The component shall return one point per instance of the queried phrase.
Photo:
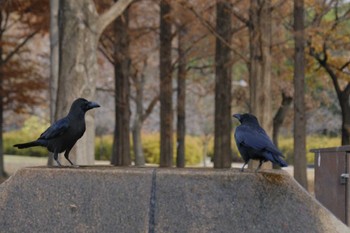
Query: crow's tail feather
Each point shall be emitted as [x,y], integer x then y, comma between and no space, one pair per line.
[276,159]
[28,144]
[281,162]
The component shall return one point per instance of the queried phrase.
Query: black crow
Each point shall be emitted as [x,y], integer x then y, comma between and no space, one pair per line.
[253,142]
[64,133]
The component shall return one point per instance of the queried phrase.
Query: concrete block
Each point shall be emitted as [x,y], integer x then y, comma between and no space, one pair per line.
[114,199]
[96,199]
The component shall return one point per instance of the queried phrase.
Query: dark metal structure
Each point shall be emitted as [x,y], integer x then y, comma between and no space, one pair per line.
[332,180]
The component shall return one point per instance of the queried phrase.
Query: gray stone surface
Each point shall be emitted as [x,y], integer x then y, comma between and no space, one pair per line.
[111,199]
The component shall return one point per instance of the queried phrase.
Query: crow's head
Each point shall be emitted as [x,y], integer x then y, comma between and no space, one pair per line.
[245,118]
[84,105]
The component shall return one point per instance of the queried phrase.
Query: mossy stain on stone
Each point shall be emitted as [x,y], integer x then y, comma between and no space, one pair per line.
[273,178]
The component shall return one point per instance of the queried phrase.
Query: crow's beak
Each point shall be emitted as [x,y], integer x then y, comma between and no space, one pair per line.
[92,105]
[237,116]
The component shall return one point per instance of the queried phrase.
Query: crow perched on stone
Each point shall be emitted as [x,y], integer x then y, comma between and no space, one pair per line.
[253,142]
[64,133]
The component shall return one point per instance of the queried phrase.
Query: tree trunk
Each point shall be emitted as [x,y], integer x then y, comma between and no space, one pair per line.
[299,104]
[2,168]
[54,62]
[79,33]
[137,143]
[343,96]
[121,145]
[78,69]
[136,129]
[223,65]
[166,103]
[280,116]
[140,115]
[278,120]
[260,62]
[54,56]
[260,66]
[181,99]
[345,126]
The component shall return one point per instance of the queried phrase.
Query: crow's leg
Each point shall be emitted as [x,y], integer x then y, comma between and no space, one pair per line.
[55,157]
[66,155]
[260,163]
[245,163]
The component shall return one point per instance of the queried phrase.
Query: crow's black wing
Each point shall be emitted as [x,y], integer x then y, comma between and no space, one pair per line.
[56,129]
[256,138]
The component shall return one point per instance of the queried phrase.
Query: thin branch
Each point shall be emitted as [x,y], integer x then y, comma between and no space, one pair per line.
[347,89]
[143,31]
[240,17]
[213,31]
[19,46]
[344,66]
[104,50]
[188,49]
[107,56]
[112,13]
[325,65]
[201,68]
[325,55]
[278,5]
[316,21]
[150,107]
[105,89]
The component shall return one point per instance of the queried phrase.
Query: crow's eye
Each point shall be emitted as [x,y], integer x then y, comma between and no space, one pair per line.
[84,105]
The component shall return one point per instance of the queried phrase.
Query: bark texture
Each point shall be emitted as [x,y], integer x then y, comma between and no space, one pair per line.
[260,65]
[299,103]
[260,62]
[223,65]
[181,99]
[79,32]
[166,87]
[121,144]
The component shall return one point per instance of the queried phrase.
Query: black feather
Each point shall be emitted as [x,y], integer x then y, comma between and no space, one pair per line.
[62,135]
[253,142]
